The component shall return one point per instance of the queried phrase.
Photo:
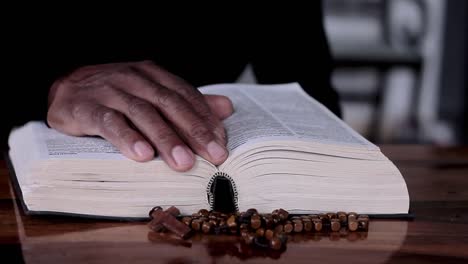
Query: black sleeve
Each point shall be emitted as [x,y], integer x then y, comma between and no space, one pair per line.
[293,48]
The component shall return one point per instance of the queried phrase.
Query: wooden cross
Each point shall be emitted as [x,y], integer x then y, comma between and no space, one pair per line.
[168,219]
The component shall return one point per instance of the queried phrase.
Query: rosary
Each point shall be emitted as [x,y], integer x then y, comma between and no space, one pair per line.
[262,230]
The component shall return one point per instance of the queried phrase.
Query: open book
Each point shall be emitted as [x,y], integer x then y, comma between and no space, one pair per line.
[286,150]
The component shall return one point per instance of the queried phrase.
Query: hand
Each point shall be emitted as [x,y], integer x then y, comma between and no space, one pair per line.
[138,106]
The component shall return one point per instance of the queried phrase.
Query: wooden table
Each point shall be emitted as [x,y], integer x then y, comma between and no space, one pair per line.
[437,179]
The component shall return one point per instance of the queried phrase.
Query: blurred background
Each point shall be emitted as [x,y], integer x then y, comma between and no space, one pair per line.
[401,68]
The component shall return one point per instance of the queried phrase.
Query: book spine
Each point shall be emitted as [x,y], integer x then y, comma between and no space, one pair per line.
[210,189]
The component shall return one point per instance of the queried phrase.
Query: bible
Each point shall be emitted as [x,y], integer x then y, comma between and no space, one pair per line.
[286,150]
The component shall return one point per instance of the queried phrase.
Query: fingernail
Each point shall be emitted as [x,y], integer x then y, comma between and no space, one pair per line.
[143,149]
[181,156]
[216,151]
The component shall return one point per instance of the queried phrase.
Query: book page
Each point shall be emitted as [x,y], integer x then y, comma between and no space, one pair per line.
[266,111]
[53,144]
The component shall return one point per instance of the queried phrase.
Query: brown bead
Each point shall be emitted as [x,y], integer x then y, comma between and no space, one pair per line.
[213,222]
[187,220]
[275,243]
[196,224]
[307,225]
[269,234]
[313,216]
[203,212]
[276,219]
[342,217]
[317,225]
[363,224]
[243,226]
[323,217]
[283,214]
[279,228]
[295,218]
[335,225]
[260,232]
[249,238]
[282,236]
[331,215]
[206,227]
[352,216]
[303,217]
[352,225]
[231,222]
[268,219]
[288,227]
[255,222]
[298,226]
[244,233]
[363,216]
[252,211]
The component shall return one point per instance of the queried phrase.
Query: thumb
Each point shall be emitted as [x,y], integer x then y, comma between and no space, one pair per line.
[220,105]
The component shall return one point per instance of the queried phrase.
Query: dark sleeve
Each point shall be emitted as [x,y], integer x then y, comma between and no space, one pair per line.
[293,48]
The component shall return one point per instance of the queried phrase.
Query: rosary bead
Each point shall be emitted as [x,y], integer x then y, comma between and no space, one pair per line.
[187,220]
[342,217]
[275,243]
[307,225]
[335,225]
[196,224]
[279,228]
[352,216]
[363,223]
[352,225]
[252,211]
[255,222]
[203,212]
[283,214]
[317,225]
[260,232]
[206,227]
[269,234]
[231,222]
[288,227]
[331,215]
[298,226]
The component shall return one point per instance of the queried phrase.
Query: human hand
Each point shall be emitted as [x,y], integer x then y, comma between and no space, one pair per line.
[139,106]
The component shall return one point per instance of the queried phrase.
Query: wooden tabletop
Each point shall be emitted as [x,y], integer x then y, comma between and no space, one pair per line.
[437,180]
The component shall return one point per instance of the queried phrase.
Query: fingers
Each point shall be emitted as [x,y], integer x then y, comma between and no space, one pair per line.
[188,92]
[220,105]
[93,119]
[148,121]
[187,123]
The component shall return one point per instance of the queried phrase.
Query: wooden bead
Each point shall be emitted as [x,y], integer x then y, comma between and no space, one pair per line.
[231,222]
[255,222]
[288,227]
[243,226]
[279,228]
[261,242]
[249,238]
[268,219]
[206,227]
[187,220]
[298,226]
[275,243]
[331,215]
[317,225]
[203,212]
[363,224]
[307,225]
[260,232]
[283,214]
[352,225]
[252,211]
[196,224]
[213,222]
[295,218]
[342,217]
[335,224]
[313,216]
[269,234]
[352,216]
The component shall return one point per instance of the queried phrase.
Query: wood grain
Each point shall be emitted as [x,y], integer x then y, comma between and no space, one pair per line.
[437,180]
